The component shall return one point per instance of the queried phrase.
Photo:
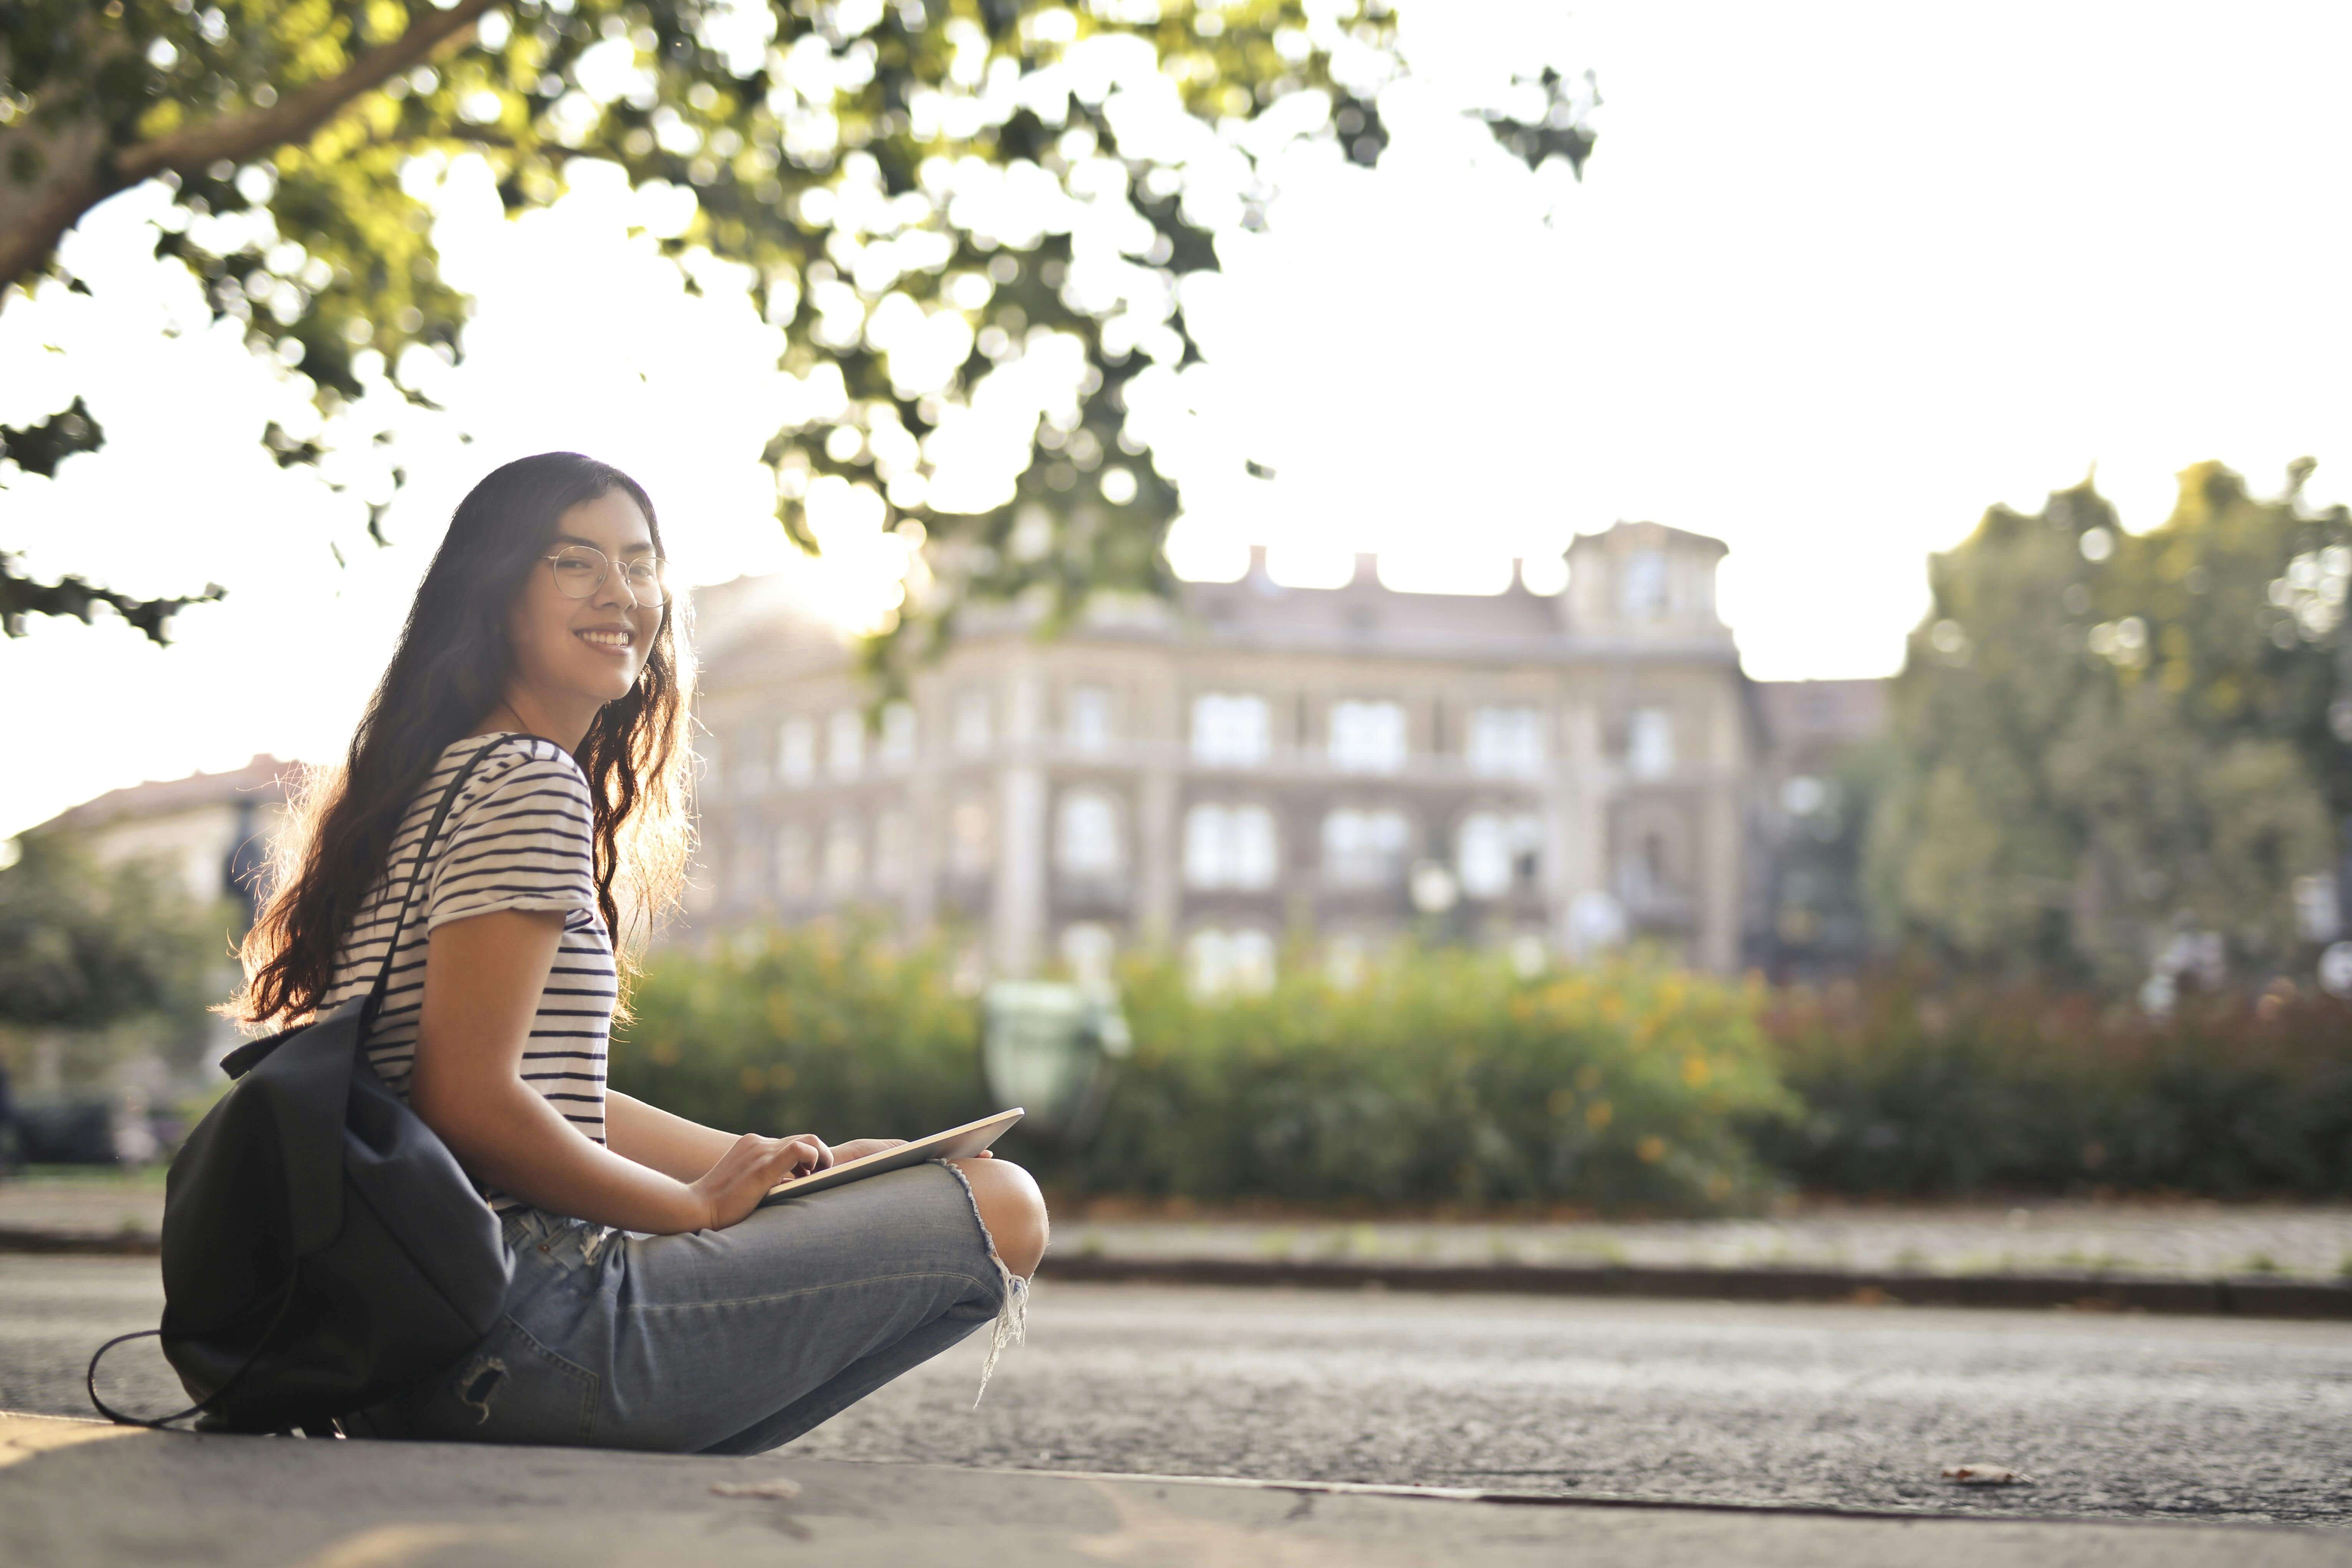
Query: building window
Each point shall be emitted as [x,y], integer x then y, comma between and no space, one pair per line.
[796,752]
[1654,854]
[897,750]
[1230,730]
[751,766]
[845,744]
[1087,949]
[1086,842]
[970,843]
[1229,847]
[1085,721]
[1650,743]
[1365,848]
[1224,964]
[1498,852]
[893,851]
[1641,585]
[744,881]
[1368,737]
[793,865]
[844,864]
[1507,742]
[972,726]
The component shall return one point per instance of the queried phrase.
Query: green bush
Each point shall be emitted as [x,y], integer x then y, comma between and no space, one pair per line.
[825,1028]
[1444,1078]
[1917,1086]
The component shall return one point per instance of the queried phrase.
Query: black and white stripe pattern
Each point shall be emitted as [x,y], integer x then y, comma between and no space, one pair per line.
[517,837]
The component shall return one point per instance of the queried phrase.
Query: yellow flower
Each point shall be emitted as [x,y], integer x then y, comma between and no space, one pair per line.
[1596,1114]
[1652,1149]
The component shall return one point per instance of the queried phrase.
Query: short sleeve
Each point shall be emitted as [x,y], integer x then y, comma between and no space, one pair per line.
[525,842]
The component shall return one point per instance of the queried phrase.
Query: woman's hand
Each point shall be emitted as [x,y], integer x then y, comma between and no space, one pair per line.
[732,1188]
[859,1147]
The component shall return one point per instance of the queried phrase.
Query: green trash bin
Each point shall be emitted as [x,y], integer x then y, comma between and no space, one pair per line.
[1049,1046]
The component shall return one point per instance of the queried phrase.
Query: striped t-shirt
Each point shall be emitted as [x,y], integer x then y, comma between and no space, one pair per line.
[517,837]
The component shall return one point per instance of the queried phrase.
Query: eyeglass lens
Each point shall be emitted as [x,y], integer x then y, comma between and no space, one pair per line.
[580,570]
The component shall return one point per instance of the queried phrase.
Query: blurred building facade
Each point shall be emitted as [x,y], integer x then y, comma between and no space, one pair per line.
[210,831]
[1810,822]
[211,835]
[1258,761]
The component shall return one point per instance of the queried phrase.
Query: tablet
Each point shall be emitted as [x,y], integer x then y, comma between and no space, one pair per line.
[955,1143]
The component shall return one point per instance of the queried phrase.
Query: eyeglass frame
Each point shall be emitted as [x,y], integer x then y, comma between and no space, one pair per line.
[661,567]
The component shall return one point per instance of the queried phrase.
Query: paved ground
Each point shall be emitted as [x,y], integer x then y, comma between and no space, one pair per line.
[2189,1239]
[73,1494]
[2115,1416]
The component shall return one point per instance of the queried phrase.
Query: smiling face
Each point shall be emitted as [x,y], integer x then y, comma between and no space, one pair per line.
[573,655]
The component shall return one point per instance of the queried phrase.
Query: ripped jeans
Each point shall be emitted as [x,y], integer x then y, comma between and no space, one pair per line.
[720,1341]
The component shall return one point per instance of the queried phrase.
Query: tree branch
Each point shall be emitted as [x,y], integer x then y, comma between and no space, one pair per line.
[298,116]
[99,172]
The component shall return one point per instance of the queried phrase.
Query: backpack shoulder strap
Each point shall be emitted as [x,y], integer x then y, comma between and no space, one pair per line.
[416,871]
[250,1055]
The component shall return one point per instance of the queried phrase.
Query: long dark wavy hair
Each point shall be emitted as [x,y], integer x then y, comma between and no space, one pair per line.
[450,668]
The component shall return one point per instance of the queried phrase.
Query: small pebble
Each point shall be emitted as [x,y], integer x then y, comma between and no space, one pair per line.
[1984,1476]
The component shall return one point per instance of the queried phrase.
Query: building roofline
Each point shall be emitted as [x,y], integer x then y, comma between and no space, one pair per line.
[261,780]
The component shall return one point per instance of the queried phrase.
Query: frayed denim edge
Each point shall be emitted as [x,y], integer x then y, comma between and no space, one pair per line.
[1012,1317]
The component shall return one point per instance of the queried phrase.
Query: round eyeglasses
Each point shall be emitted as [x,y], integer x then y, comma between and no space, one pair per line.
[580,570]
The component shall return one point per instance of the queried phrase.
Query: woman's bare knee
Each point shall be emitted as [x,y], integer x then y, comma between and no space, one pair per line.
[1011,1208]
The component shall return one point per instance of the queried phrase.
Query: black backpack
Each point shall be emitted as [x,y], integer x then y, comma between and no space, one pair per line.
[322,1249]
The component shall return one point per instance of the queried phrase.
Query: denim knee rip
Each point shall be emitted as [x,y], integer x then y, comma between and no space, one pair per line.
[1013,1317]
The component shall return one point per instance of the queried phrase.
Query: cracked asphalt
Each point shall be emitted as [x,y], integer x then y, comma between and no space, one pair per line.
[1846,1406]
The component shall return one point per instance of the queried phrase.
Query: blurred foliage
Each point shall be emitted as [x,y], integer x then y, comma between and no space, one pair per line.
[38,449]
[106,960]
[1445,1078]
[827,1028]
[1917,1087]
[2109,748]
[857,156]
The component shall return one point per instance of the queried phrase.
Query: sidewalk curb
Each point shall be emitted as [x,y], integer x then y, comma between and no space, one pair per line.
[2304,1300]
[114,1243]
[2307,1300]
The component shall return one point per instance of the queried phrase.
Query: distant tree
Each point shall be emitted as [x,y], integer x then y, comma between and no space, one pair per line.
[2114,754]
[84,945]
[921,189]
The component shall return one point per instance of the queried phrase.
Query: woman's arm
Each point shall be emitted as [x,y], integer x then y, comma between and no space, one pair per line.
[670,1144]
[651,1136]
[483,976]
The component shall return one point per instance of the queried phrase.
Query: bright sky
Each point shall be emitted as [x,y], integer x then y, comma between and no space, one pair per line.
[1837,278]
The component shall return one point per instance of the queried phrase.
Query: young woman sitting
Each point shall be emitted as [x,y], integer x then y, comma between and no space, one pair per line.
[654,1303]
